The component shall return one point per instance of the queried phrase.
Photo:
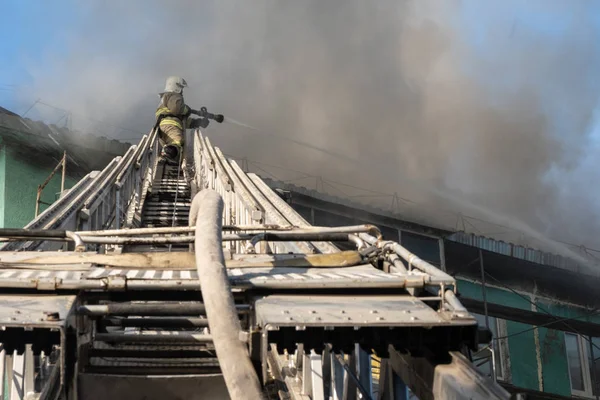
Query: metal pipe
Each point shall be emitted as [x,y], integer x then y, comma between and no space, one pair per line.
[238,372]
[493,353]
[147,353]
[453,302]
[395,259]
[184,285]
[364,392]
[145,370]
[174,215]
[154,309]
[177,229]
[108,180]
[151,309]
[257,228]
[43,185]
[411,258]
[79,245]
[156,322]
[126,237]
[158,337]
[33,233]
[128,164]
[38,197]
[360,244]
[138,240]
[162,284]
[118,207]
[64,172]
[269,236]
[148,145]
[294,237]
[369,239]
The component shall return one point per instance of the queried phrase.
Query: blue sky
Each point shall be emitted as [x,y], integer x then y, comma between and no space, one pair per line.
[29,32]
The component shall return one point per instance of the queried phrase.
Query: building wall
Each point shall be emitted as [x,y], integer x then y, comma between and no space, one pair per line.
[2,181]
[555,368]
[537,355]
[521,340]
[21,179]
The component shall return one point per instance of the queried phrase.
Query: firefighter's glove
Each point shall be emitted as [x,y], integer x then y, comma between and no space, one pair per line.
[199,123]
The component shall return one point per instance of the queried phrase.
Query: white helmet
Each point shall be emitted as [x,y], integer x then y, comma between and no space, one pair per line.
[175,84]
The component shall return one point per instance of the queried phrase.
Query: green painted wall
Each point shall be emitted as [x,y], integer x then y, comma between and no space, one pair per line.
[21,179]
[565,311]
[521,341]
[552,344]
[554,362]
[522,353]
[2,181]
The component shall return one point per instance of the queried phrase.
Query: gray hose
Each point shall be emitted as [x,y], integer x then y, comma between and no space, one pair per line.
[223,320]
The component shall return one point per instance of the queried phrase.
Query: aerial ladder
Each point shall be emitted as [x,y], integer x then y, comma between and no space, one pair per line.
[147,281]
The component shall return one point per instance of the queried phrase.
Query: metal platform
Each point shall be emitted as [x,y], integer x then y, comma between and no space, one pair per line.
[359,277]
[278,311]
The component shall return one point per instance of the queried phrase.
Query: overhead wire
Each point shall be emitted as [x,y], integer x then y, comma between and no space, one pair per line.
[563,320]
[537,306]
[104,123]
[590,313]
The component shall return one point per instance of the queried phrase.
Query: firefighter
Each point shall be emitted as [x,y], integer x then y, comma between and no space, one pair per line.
[173,113]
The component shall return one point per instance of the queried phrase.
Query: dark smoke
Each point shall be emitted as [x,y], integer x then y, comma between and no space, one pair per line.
[493,102]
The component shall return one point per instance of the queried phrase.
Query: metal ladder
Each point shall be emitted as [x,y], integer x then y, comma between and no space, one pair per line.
[158,334]
[161,337]
[160,206]
[167,204]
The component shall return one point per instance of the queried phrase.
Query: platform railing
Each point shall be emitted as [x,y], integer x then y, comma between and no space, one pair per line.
[101,200]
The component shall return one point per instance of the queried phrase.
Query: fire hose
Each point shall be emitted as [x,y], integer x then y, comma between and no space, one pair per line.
[223,321]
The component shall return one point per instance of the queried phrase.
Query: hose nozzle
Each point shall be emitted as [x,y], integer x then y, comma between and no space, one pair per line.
[215,117]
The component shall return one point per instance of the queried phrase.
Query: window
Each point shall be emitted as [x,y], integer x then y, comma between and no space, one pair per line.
[483,358]
[575,361]
[594,364]
[583,358]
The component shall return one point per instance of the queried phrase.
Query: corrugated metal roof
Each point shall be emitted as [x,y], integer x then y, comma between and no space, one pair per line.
[8,112]
[513,250]
[522,248]
[87,151]
[348,202]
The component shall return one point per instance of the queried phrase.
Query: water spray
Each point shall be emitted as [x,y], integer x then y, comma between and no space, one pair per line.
[238,123]
[298,142]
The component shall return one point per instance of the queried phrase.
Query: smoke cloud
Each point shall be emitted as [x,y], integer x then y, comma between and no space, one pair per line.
[481,109]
